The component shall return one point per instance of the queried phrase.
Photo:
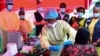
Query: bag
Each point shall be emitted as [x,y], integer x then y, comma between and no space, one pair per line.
[75,25]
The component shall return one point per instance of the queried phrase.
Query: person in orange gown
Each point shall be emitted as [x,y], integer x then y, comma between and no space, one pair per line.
[25,25]
[9,19]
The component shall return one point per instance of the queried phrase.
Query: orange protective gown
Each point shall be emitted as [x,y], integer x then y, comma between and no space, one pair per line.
[9,21]
[25,28]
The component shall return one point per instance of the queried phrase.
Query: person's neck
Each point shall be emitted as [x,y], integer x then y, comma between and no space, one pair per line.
[22,18]
[9,10]
[95,17]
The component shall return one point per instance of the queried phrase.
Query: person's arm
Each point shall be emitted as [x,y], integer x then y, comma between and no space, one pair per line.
[45,43]
[40,23]
[43,39]
[37,17]
[29,26]
[71,31]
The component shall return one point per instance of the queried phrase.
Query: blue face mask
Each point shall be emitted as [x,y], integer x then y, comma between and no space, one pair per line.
[80,15]
[9,7]
[22,16]
[63,10]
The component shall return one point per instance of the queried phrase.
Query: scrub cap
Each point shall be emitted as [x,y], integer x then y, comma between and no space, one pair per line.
[51,13]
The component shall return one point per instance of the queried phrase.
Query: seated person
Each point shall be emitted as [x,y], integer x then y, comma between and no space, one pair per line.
[82,46]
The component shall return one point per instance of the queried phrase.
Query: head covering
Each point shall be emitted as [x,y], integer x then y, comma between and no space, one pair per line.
[97,4]
[82,36]
[51,14]
[21,11]
[62,5]
[9,2]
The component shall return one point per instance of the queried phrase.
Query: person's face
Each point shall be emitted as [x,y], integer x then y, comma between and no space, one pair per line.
[96,12]
[63,10]
[80,13]
[51,23]
[9,7]
[40,9]
[22,17]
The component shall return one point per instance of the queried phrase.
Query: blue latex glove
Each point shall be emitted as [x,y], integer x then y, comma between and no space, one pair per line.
[54,48]
[67,43]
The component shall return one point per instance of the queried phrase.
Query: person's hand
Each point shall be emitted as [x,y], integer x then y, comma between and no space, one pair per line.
[94,43]
[43,22]
[54,48]
[98,41]
[67,43]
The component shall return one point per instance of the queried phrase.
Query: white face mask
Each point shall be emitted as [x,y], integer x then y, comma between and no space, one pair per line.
[62,9]
[22,16]
[96,14]
[80,15]
[52,25]
[40,9]
[9,7]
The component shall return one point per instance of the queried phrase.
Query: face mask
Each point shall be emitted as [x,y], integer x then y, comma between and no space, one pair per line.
[96,14]
[40,9]
[52,25]
[80,15]
[10,7]
[62,9]
[22,16]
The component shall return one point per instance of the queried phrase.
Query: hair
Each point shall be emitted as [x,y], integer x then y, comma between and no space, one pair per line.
[62,5]
[82,36]
[6,4]
[97,4]
[9,3]
[80,8]
[21,11]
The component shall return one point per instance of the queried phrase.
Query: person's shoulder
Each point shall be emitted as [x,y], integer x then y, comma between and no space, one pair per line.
[36,12]
[67,14]
[27,20]
[61,21]
[89,18]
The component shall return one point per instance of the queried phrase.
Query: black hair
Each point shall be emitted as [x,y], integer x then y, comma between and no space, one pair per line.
[21,11]
[82,36]
[97,4]
[80,8]
[62,5]
[38,2]
[9,3]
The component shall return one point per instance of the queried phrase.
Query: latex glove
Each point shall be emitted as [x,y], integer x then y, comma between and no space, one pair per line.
[67,43]
[54,48]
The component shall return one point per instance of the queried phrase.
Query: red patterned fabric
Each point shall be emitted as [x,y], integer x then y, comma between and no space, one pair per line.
[80,50]
[19,54]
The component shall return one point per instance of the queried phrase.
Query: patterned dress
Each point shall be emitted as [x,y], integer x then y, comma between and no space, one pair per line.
[80,50]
